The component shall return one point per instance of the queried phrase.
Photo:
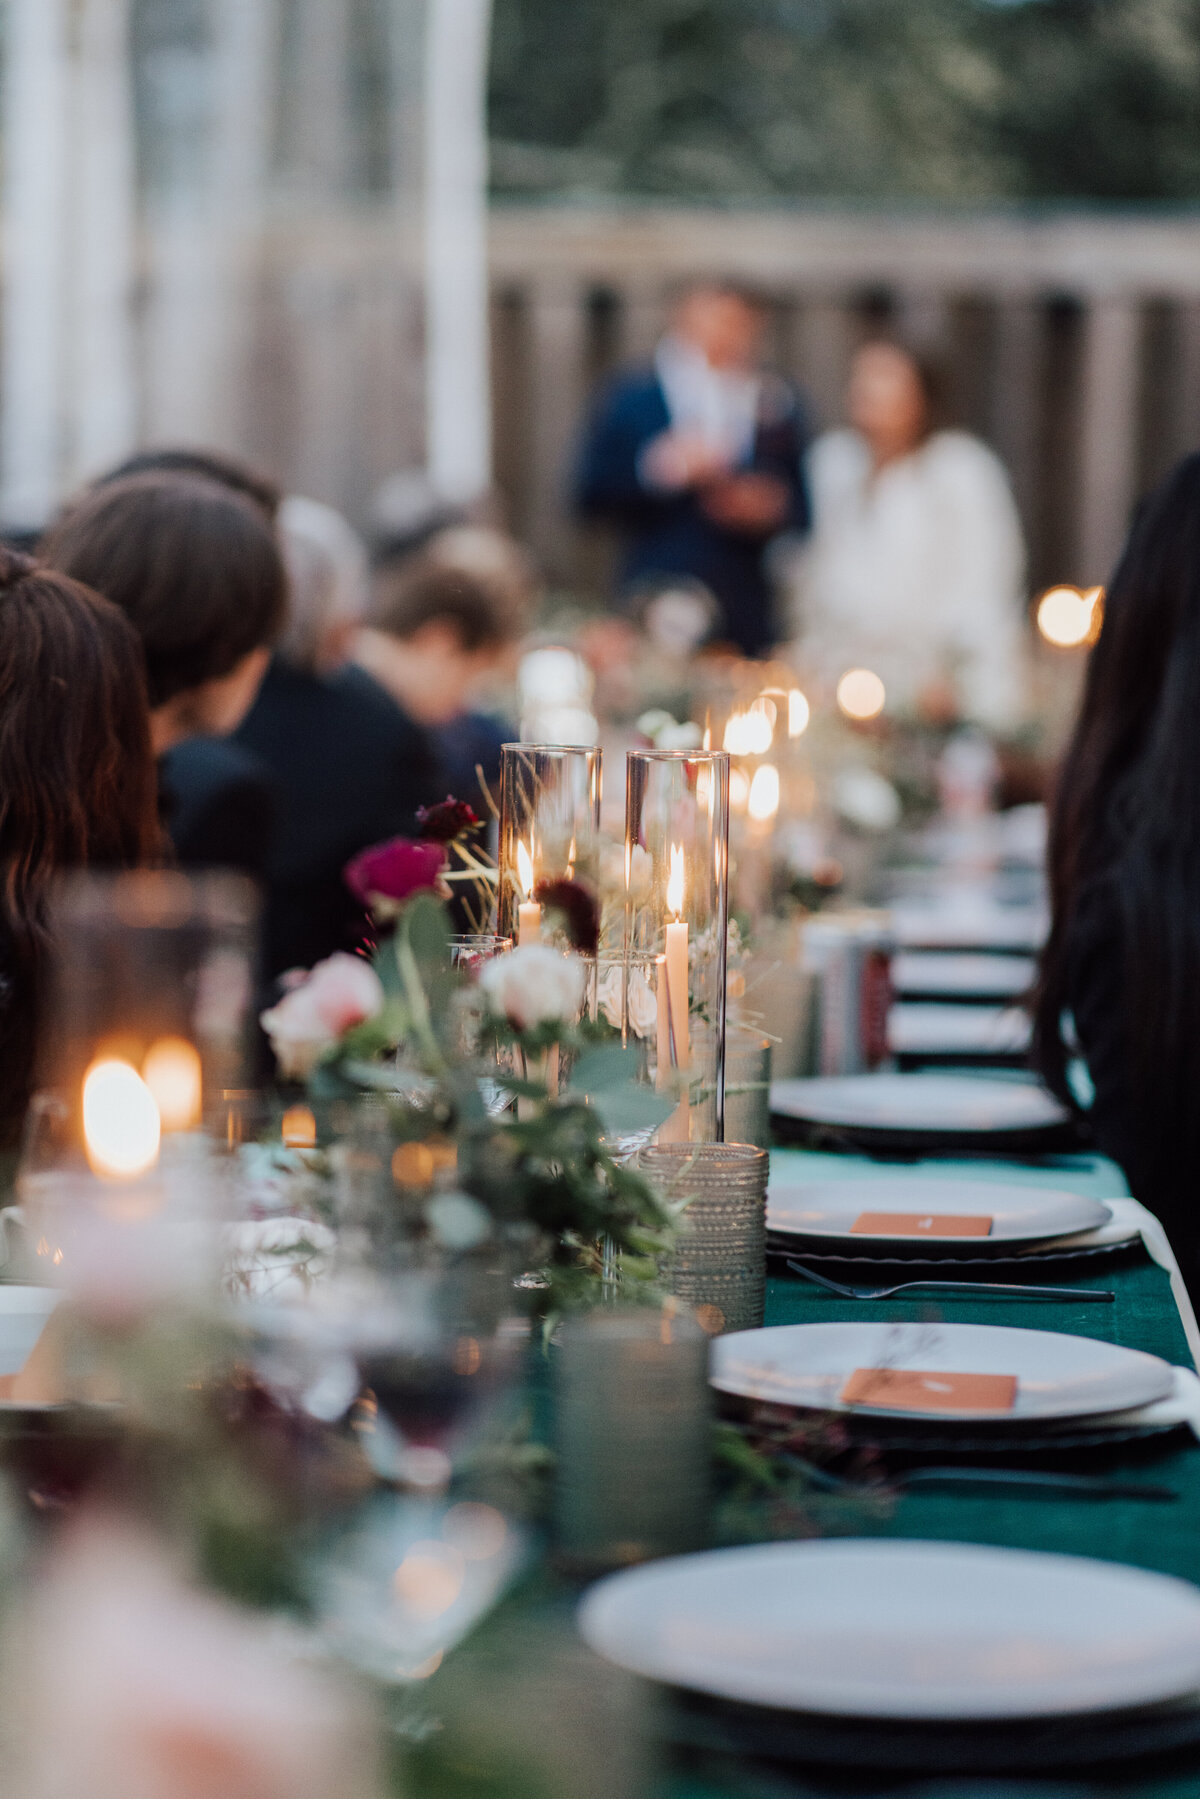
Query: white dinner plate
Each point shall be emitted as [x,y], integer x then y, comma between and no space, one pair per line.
[828,1210]
[969,924]
[923,1104]
[962,974]
[1058,1375]
[944,1029]
[880,1630]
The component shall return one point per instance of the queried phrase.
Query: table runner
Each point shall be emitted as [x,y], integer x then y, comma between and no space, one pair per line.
[1162,1537]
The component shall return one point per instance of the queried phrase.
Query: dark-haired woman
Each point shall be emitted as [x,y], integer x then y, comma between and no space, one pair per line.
[1121,971]
[196,568]
[915,566]
[77,781]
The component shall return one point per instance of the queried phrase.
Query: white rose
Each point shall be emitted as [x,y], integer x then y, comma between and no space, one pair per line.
[643,1007]
[687,736]
[535,985]
[608,993]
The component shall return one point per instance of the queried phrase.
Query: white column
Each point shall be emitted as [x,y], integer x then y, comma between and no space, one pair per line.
[558,397]
[100,361]
[458,398]
[1108,432]
[35,244]
[205,246]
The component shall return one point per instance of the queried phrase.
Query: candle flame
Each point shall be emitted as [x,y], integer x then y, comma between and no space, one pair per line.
[173,1073]
[798,713]
[763,801]
[524,869]
[675,881]
[122,1129]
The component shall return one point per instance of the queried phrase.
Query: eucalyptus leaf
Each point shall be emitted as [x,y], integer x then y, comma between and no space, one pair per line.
[599,1070]
[632,1107]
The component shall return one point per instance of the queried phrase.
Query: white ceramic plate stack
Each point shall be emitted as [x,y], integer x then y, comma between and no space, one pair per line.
[825,1220]
[948,1112]
[919,1655]
[1061,1380]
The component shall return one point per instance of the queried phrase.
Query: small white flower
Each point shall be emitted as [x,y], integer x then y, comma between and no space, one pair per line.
[458,1221]
[535,985]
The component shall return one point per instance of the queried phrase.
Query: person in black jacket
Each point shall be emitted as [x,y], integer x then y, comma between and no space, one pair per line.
[697,462]
[196,568]
[350,767]
[1120,978]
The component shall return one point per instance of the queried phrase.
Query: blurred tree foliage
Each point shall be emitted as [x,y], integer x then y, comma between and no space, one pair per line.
[923,99]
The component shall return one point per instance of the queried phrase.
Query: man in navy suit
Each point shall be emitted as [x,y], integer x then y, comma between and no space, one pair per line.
[697,461]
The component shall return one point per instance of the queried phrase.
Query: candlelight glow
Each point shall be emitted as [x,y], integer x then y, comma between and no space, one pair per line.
[1068,617]
[121,1126]
[798,713]
[861,694]
[174,1076]
[763,801]
[299,1128]
[675,882]
[525,869]
[739,789]
[750,733]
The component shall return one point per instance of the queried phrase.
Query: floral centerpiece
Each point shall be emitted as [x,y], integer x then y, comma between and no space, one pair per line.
[505,1101]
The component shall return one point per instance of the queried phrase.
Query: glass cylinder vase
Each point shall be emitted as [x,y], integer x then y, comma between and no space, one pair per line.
[677,913]
[141,1077]
[549,833]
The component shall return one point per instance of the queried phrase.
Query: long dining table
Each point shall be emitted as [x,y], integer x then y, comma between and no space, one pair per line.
[1150,1312]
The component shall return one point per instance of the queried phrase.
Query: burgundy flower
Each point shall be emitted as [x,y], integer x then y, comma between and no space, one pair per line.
[390,872]
[443,823]
[579,908]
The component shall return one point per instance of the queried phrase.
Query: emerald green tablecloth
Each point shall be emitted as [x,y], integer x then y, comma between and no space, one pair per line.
[1162,1536]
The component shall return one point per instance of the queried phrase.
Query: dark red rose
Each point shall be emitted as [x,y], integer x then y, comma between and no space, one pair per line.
[390,872]
[579,909]
[443,823]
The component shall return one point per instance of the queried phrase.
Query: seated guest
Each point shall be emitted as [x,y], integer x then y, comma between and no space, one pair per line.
[439,625]
[197,569]
[1121,971]
[76,781]
[350,768]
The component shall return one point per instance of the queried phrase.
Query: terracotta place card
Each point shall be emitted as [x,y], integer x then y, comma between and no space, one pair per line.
[920,1224]
[925,1390]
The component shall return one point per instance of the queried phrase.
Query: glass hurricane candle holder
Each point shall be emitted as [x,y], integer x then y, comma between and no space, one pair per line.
[677,914]
[141,1073]
[549,832]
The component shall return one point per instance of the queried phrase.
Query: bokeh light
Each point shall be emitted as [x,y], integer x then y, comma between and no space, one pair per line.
[861,694]
[763,801]
[1069,617]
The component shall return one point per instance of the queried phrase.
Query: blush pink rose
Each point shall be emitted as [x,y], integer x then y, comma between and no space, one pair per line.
[312,1015]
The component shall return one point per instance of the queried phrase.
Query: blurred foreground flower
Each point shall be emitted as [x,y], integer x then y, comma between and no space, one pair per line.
[579,910]
[444,822]
[124,1682]
[385,875]
[535,985]
[340,993]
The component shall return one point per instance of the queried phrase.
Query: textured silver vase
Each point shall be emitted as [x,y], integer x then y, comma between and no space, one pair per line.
[718,1265]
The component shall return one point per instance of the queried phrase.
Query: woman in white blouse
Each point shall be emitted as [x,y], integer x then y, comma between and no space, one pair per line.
[915,568]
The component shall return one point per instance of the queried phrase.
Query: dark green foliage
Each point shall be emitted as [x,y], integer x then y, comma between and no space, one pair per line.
[870,99]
